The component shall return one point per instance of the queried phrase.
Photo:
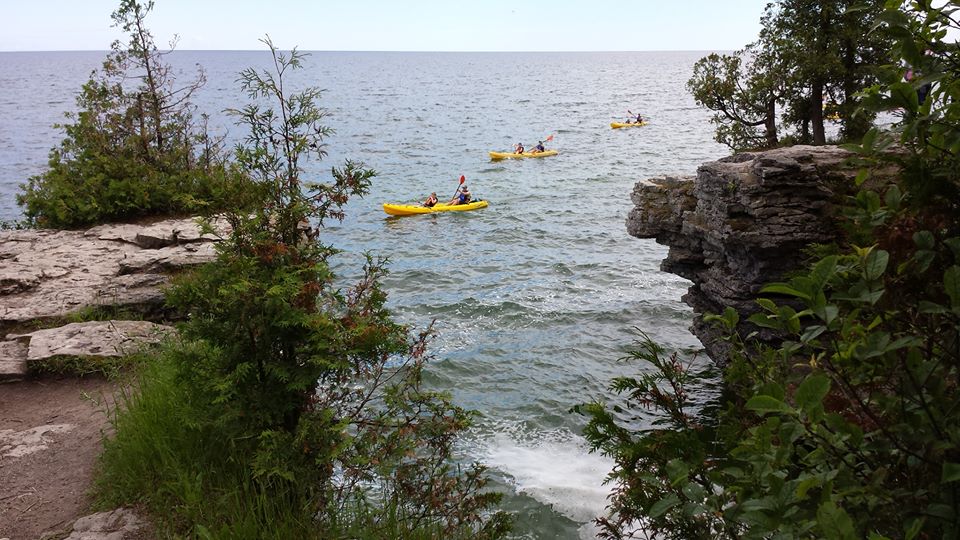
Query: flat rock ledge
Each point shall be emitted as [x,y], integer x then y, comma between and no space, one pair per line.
[119,524]
[740,223]
[91,340]
[48,275]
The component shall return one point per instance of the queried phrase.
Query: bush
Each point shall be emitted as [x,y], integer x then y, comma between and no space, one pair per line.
[132,152]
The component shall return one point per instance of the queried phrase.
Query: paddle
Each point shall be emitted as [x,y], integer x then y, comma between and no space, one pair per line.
[462,180]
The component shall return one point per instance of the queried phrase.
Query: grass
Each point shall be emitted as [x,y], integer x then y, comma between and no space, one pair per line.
[110,367]
[195,482]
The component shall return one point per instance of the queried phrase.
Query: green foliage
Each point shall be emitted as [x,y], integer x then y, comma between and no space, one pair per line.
[930,131]
[83,366]
[811,57]
[857,436]
[313,394]
[744,90]
[850,428]
[131,151]
[196,482]
[653,476]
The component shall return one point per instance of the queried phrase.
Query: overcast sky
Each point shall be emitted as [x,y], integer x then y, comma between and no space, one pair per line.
[394,25]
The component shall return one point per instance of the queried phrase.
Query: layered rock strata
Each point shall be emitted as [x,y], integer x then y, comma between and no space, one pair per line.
[740,223]
[47,276]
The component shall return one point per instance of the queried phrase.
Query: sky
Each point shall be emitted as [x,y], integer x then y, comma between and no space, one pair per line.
[394,25]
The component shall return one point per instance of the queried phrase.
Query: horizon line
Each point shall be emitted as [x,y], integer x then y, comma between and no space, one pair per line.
[372,51]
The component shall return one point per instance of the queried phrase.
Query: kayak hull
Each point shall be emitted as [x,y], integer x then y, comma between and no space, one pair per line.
[510,155]
[618,125]
[413,210]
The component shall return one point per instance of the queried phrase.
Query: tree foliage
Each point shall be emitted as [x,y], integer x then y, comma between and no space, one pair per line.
[135,148]
[851,427]
[744,91]
[810,59]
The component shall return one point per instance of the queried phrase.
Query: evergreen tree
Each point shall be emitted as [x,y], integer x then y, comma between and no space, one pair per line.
[809,54]
[134,148]
[317,385]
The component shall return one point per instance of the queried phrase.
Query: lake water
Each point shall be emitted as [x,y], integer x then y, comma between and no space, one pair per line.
[535,297]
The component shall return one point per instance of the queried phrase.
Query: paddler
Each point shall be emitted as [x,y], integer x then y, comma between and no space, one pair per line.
[462,196]
[431,200]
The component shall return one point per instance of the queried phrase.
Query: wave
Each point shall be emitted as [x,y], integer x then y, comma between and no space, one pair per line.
[554,467]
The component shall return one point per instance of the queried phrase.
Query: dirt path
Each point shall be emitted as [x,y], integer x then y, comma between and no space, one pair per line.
[50,437]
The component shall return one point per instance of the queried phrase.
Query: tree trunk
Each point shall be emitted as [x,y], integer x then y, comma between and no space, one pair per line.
[144,140]
[152,84]
[853,128]
[770,123]
[816,112]
[816,85]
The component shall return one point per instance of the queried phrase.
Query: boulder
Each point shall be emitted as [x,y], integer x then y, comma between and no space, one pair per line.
[13,359]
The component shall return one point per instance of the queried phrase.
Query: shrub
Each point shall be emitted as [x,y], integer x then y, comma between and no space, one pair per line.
[132,152]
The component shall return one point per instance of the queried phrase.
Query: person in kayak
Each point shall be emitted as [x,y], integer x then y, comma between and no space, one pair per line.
[637,120]
[462,196]
[431,200]
[518,148]
[538,148]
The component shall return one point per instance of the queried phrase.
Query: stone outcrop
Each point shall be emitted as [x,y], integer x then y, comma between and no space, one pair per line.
[119,524]
[95,339]
[740,223]
[14,444]
[46,276]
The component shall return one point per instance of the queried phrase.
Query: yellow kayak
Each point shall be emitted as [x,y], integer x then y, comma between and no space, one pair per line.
[618,125]
[412,210]
[511,155]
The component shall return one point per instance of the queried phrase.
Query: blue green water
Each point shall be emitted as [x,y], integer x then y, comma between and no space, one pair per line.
[535,297]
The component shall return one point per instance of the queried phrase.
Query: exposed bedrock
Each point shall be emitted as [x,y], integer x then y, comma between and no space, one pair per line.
[47,276]
[740,223]
[50,274]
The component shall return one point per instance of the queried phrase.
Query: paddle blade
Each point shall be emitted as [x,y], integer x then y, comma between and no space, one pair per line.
[550,138]
[463,178]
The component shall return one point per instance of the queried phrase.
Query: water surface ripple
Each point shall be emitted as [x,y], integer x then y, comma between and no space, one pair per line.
[535,297]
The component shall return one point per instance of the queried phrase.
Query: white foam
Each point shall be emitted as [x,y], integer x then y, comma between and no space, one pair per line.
[555,468]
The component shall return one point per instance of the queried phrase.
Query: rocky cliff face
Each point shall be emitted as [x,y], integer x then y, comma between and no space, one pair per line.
[741,223]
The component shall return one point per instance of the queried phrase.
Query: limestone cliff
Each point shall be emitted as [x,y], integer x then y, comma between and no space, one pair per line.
[742,222]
